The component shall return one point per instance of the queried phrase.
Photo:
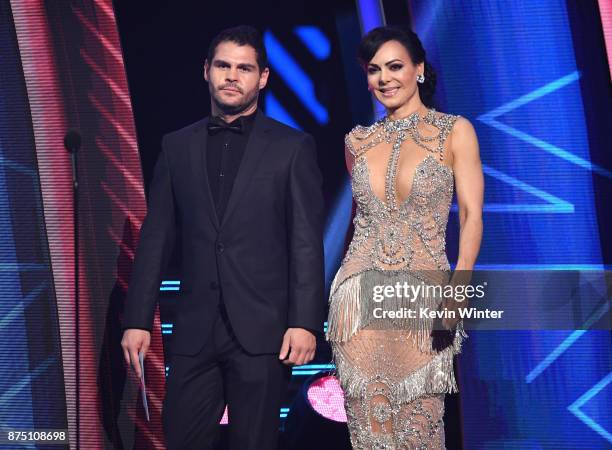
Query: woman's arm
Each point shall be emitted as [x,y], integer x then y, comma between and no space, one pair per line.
[469,183]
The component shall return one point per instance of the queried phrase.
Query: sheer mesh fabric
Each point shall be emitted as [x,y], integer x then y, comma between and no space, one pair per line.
[394,381]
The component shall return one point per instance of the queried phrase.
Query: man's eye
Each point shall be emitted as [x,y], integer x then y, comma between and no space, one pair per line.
[245,69]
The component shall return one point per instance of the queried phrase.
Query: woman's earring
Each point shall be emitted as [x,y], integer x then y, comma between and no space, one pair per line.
[420,78]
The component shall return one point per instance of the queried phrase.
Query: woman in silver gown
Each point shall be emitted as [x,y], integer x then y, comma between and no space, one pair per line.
[404,170]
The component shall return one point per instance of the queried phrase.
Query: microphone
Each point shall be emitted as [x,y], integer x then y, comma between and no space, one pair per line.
[72,143]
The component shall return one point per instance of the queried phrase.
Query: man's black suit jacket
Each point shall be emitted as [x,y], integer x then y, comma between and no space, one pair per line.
[265,256]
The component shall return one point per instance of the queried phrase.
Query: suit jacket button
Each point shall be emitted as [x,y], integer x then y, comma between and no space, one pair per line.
[220,247]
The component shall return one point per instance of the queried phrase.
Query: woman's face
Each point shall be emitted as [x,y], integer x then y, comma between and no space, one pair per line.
[392,75]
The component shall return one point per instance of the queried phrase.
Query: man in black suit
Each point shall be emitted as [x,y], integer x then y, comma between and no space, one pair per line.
[245,191]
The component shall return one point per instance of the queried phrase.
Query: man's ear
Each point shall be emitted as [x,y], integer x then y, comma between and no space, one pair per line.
[206,69]
[263,78]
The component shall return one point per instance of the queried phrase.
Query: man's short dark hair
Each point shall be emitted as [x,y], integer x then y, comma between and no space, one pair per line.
[241,35]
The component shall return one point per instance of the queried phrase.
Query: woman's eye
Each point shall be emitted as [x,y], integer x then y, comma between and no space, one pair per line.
[372,70]
[396,67]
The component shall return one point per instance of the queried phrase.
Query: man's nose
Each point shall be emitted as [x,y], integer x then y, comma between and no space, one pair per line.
[232,74]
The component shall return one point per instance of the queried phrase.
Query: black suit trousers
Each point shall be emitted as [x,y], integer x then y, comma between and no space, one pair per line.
[199,386]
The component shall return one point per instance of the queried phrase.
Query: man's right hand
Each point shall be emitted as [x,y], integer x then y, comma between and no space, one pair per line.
[134,341]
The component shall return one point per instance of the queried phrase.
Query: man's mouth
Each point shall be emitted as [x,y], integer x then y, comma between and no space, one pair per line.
[230,89]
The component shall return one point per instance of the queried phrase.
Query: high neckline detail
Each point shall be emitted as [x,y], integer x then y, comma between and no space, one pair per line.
[410,117]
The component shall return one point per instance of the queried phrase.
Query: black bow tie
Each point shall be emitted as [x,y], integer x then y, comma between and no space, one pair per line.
[216,125]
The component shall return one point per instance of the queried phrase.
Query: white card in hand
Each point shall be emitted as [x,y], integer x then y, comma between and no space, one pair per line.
[142,385]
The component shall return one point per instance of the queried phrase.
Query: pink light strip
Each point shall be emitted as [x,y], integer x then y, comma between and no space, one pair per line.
[605,10]
[134,181]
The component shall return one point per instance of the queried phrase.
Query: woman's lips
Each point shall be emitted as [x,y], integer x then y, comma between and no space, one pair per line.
[389,92]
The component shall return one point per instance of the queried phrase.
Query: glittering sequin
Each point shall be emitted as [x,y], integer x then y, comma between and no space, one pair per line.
[393,379]
[381,412]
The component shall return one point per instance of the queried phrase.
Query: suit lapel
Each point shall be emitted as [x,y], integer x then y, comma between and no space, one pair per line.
[197,152]
[253,153]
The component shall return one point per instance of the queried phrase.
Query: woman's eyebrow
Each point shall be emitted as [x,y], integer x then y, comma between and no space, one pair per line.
[392,61]
[387,63]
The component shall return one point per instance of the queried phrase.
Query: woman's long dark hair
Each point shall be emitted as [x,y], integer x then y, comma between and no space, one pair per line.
[372,41]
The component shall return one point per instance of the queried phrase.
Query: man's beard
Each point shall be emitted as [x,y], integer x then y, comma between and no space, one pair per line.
[235,109]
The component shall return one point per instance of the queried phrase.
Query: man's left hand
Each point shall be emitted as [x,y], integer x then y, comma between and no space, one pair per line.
[299,345]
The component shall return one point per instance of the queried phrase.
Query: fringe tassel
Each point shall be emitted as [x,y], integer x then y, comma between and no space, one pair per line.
[435,377]
[460,336]
[351,379]
[344,318]
[352,307]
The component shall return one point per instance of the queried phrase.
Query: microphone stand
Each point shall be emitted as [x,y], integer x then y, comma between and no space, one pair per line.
[72,143]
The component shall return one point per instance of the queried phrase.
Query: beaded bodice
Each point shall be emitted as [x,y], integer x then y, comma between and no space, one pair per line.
[400,234]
